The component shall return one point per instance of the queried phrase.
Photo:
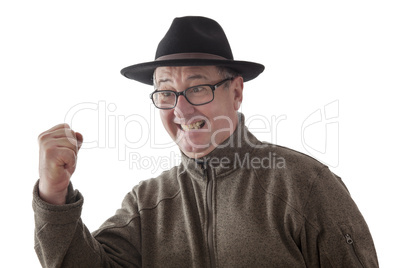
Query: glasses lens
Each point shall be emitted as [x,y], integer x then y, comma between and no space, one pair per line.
[164,99]
[199,94]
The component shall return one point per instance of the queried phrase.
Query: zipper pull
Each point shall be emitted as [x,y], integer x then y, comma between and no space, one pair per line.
[203,165]
[349,239]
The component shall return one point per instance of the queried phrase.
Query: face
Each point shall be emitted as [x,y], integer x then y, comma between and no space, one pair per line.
[197,130]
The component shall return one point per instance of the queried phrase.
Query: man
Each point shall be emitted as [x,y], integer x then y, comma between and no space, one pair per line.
[232,202]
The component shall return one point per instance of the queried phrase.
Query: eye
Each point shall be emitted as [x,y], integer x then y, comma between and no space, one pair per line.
[198,90]
[163,96]
[166,94]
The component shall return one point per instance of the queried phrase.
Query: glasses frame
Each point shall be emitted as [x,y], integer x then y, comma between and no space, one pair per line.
[183,93]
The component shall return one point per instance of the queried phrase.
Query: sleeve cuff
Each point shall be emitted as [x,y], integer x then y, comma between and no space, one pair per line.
[58,214]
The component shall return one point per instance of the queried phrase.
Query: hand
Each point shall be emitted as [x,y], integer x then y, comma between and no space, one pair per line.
[58,149]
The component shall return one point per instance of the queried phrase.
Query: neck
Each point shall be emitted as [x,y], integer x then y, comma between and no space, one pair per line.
[230,155]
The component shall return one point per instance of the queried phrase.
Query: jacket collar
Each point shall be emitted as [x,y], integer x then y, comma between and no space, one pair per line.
[232,154]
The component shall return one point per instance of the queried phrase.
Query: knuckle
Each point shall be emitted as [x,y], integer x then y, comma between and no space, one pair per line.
[73,141]
[43,137]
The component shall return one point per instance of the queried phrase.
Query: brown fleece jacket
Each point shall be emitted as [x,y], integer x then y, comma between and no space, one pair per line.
[247,204]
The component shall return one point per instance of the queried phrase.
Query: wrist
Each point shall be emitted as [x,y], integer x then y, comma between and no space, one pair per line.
[52,195]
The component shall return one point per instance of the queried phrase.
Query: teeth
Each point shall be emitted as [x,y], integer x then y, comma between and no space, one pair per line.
[196,125]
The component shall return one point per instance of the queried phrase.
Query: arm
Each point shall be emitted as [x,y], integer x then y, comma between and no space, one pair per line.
[335,233]
[61,239]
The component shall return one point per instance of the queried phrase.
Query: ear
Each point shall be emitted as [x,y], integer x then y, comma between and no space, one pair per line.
[237,84]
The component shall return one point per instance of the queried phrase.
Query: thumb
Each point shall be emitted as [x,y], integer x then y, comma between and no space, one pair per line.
[80,139]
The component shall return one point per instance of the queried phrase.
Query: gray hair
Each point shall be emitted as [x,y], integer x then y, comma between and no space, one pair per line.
[226,72]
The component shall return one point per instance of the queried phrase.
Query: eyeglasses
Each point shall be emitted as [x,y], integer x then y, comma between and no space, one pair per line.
[196,95]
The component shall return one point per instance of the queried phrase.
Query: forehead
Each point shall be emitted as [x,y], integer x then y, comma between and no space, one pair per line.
[183,72]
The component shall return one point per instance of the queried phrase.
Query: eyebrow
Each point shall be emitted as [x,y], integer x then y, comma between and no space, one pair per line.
[163,81]
[196,77]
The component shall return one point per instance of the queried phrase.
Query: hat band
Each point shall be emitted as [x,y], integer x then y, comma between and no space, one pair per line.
[180,56]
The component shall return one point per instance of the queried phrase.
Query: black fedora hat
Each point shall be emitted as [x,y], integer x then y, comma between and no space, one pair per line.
[193,41]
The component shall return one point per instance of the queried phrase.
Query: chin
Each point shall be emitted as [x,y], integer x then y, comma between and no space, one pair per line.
[194,148]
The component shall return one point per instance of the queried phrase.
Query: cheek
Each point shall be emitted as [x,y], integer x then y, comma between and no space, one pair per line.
[225,98]
[221,115]
[219,107]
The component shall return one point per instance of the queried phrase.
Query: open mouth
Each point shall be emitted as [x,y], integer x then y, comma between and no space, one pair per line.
[193,126]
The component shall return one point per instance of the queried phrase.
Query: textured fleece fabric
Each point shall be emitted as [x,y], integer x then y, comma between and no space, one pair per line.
[247,204]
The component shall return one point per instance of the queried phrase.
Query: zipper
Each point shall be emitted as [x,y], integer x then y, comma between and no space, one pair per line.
[350,241]
[210,235]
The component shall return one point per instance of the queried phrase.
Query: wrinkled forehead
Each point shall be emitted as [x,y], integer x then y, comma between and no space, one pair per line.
[185,72]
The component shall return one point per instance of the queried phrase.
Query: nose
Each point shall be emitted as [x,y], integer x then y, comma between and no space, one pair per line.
[183,107]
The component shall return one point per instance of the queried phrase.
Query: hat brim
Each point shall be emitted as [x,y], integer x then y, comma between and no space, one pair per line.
[143,72]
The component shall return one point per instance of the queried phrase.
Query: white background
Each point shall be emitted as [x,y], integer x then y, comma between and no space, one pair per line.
[342,55]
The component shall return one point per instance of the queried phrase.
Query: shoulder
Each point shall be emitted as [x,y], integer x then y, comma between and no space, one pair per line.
[281,158]
[290,175]
[288,160]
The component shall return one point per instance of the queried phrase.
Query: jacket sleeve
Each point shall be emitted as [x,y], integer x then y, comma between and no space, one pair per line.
[334,233]
[62,240]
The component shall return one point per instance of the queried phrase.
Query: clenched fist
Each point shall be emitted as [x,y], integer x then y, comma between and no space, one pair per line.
[58,149]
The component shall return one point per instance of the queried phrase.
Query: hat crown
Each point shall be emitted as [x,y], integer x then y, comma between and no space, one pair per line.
[193,41]
[194,35]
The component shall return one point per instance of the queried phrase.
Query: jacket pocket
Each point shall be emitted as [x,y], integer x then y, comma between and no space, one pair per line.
[349,240]
[359,244]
